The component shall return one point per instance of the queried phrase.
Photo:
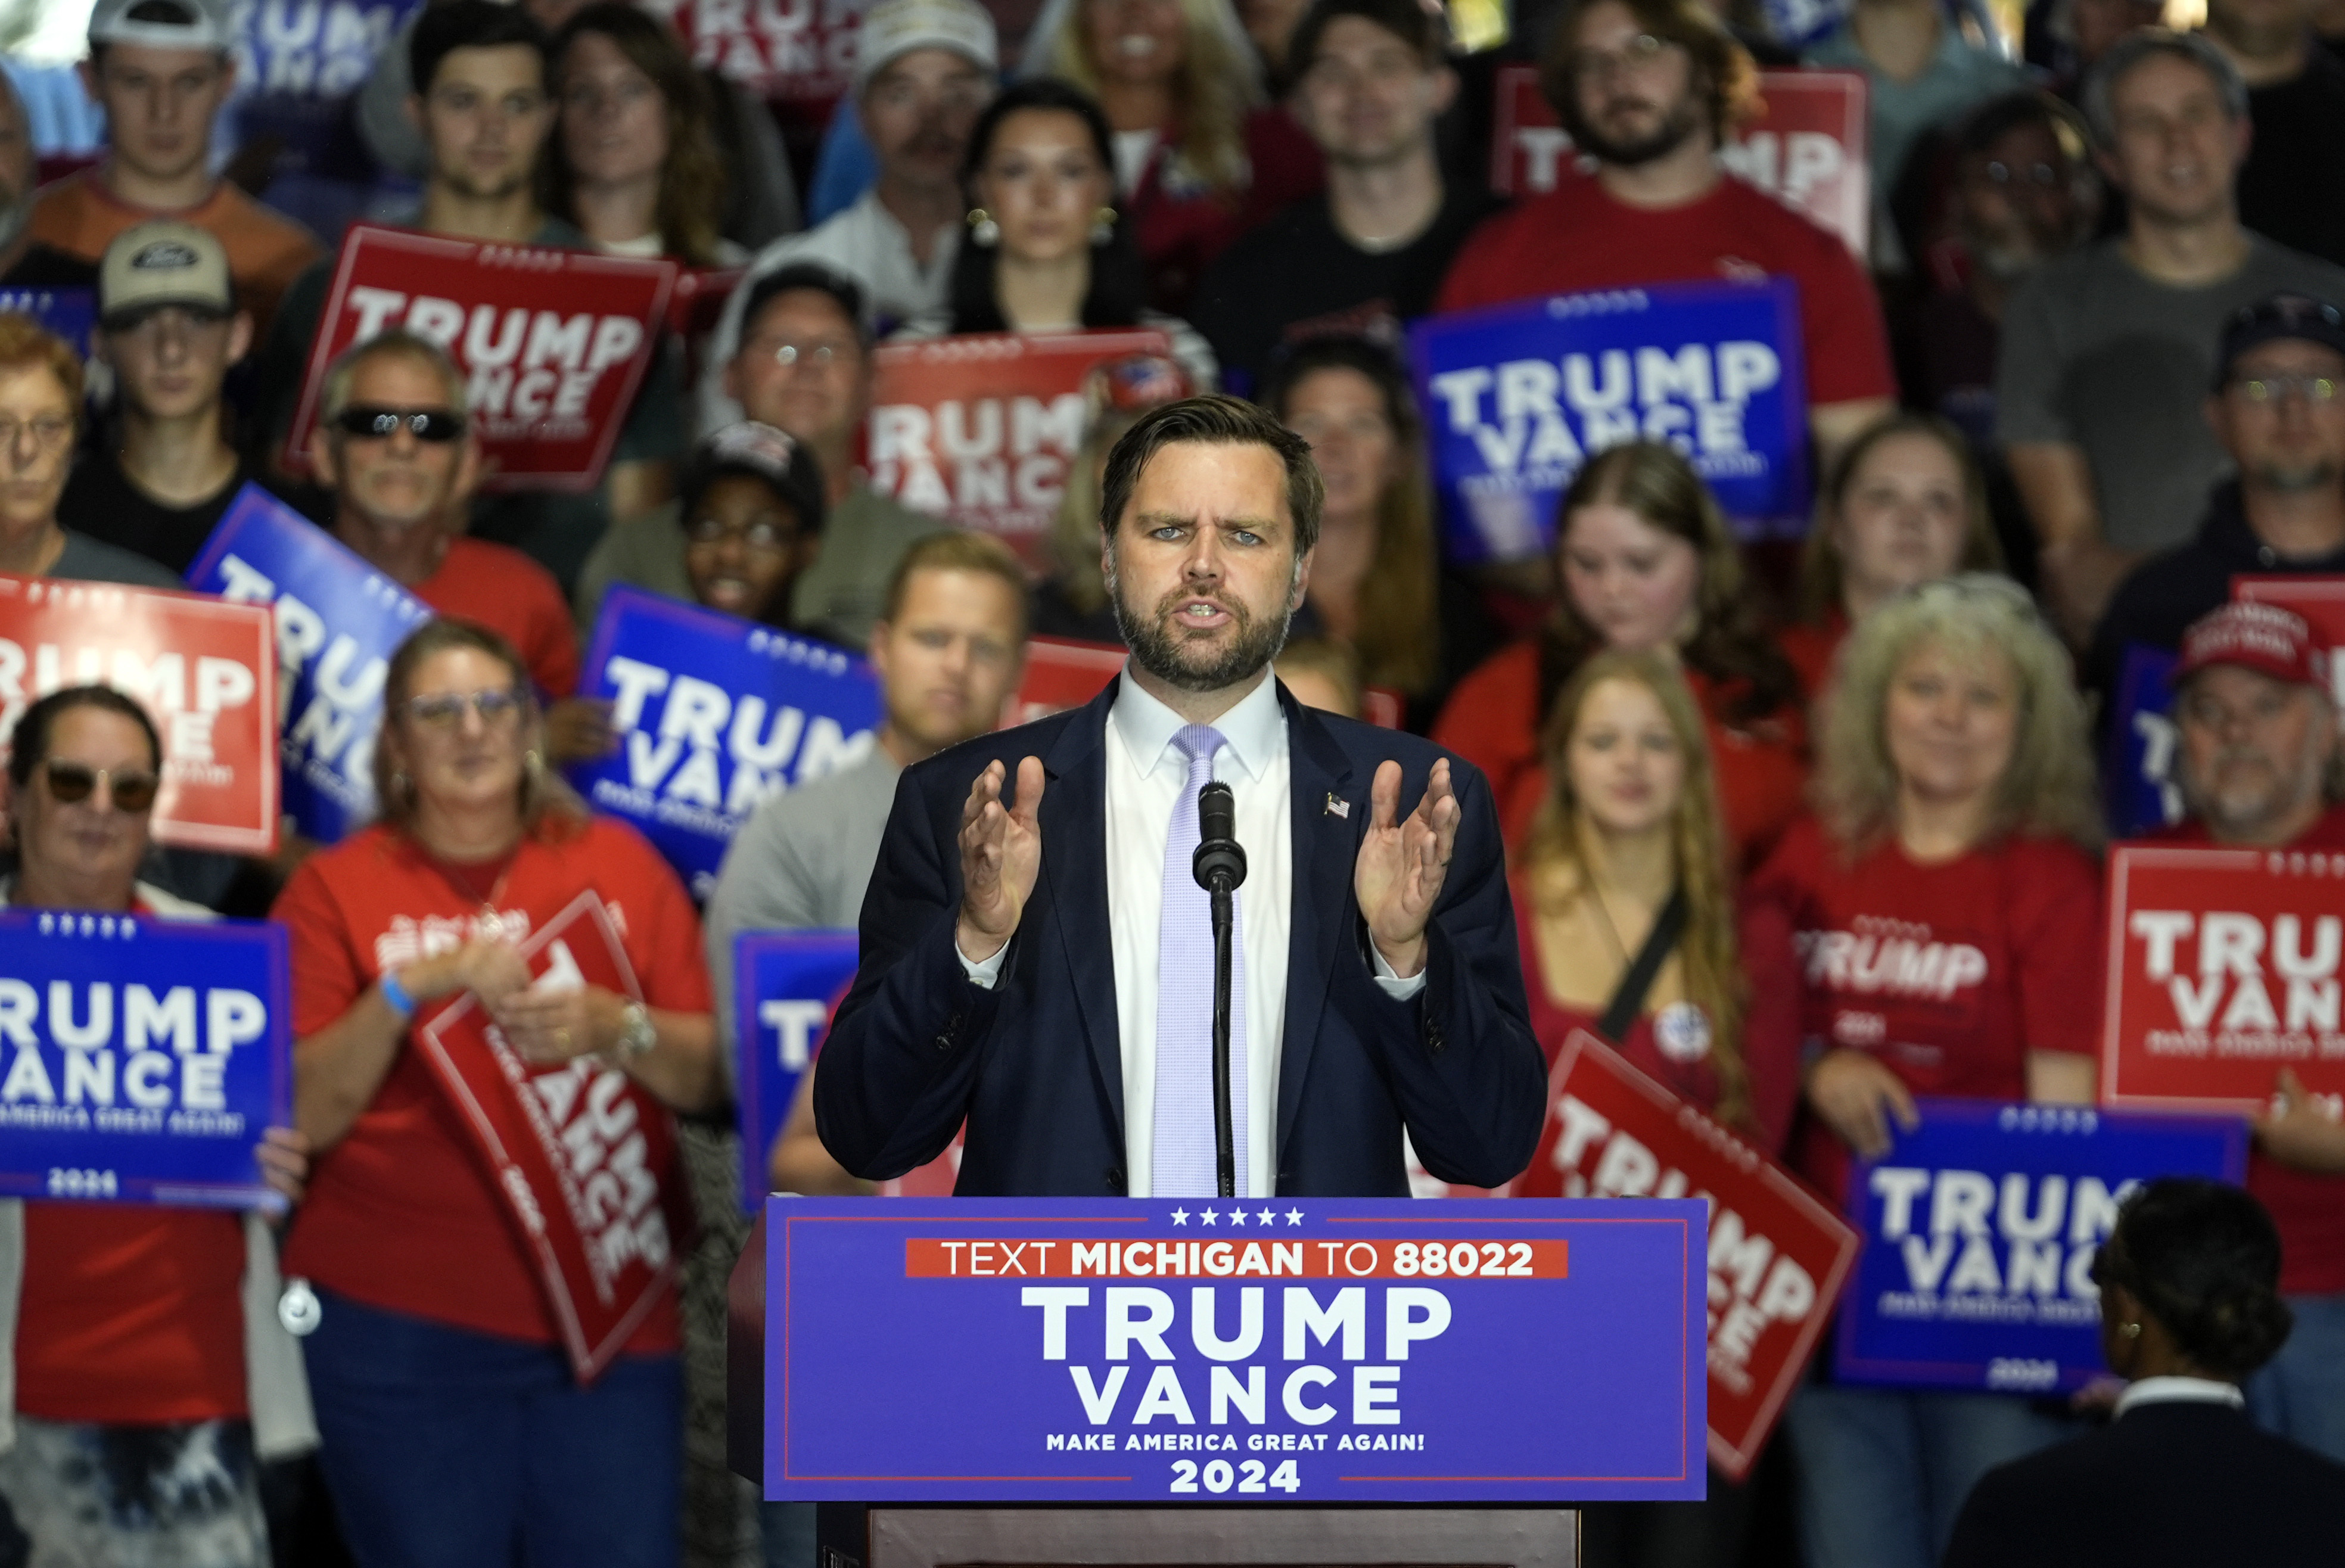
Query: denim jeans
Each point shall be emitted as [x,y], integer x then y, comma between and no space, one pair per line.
[442,1447]
[1884,1471]
[2300,1393]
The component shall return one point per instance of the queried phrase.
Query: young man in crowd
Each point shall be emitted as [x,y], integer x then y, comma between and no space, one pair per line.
[161,69]
[2278,414]
[923,72]
[803,367]
[1650,88]
[482,73]
[157,482]
[2105,362]
[2292,187]
[2258,764]
[25,262]
[1369,252]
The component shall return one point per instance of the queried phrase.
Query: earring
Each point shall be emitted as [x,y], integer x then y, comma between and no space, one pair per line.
[983,232]
[1103,226]
[2130,1330]
[534,764]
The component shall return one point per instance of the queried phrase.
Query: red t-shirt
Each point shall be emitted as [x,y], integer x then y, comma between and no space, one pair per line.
[1578,237]
[1813,648]
[402,1213]
[1949,974]
[2308,1207]
[514,596]
[1493,720]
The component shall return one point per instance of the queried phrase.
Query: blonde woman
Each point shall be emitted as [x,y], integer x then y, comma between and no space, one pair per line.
[1944,906]
[1200,157]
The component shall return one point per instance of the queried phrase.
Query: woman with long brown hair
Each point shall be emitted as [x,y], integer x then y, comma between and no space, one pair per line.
[634,162]
[1646,564]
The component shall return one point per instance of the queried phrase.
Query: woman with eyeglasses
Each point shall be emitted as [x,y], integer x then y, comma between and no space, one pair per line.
[454,1429]
[1047,250]
[145,1395]
[40,421]
[1933,928]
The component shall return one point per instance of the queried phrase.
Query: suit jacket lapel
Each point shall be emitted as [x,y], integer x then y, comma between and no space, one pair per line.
[1075,863]
[1325,845]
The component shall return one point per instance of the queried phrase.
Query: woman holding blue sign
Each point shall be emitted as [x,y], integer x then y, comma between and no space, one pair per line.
[500,1002]
[1944,906]
[151,1376]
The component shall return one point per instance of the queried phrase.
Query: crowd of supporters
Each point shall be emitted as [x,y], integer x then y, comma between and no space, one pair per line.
[2086,370]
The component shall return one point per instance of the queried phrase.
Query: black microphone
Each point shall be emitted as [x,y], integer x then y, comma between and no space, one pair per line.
[1219,864]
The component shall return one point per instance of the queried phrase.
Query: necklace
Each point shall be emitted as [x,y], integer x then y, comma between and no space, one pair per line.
[1619,948]
[491,918]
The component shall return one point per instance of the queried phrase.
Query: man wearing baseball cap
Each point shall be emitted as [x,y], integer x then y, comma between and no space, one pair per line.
[162,471]
[2259,767]
[2277,407]
[161,69]
[925,70]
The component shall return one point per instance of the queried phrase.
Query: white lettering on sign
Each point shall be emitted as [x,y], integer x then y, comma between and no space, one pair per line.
[794,1023]
[1977,1247]
[102,1048]
[2230,977]
[186,693]
[691,742]
[321,49]
[525,364]
[989,454]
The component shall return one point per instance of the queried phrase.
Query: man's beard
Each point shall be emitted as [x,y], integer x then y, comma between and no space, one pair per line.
[1664,139]
[1163,654]
[2238,812]
[2298,479]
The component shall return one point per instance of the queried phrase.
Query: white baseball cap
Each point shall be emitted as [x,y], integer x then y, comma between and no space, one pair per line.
[163,24]
[894,28]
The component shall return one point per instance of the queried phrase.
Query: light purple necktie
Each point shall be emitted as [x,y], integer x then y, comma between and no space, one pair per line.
[1183,1165]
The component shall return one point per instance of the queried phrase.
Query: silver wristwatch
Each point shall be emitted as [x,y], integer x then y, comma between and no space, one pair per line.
[636,1034]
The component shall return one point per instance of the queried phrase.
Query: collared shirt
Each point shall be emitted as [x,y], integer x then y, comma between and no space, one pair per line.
[2177,1390]
[1145,775]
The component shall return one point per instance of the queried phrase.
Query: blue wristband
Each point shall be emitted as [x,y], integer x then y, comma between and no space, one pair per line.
[396,994]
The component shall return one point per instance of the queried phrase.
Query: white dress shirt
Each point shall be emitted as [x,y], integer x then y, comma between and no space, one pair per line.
[2180,1390]
[1145,775]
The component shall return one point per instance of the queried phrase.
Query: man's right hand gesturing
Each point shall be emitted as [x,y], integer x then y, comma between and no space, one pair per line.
[1000,854]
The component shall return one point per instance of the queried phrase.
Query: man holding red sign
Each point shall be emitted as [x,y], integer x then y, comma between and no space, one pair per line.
[2259,766]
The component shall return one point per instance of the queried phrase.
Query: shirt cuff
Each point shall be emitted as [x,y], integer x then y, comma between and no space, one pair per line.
[981,975]
[1387,978]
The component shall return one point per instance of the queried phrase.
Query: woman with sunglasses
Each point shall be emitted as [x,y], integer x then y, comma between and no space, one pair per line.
[144,1394]
[454,1428]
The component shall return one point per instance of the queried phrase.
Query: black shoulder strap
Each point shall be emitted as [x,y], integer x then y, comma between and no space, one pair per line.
[1629,1000]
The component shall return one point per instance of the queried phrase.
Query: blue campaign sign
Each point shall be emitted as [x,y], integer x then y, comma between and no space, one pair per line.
[339,620]
[1980,1227]
[70,313]
[316,49]
[2139,766]
[1163,1350]
[712,715]
[783,983]
[144,1056]
[1515,397]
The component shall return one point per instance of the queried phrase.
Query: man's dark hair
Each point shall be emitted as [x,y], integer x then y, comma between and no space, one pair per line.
[442,30]
[809,277]
[1217,421]
[1425,32]
[1975,134]
[30,744]
[1724,78]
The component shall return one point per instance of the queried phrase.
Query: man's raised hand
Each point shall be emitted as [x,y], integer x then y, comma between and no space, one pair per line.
[1000,854]
[1402,863]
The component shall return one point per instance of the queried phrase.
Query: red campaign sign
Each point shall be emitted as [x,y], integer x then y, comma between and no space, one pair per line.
[585,1156]
[553,343]
[1778,1253]
[2223,969]
[2320,600]
[1807,146]
[792,51]
[204,668]
[980,428]
[1061,673]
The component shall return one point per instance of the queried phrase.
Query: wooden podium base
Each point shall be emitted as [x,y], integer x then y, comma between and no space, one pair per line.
[1275,1535]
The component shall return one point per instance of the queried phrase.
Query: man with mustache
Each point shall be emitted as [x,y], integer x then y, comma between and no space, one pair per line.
[2260,769]
[2277,411]
[1036,952]
[1648,89]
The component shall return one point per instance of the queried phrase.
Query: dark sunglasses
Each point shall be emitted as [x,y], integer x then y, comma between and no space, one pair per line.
[381,424]
[70,784]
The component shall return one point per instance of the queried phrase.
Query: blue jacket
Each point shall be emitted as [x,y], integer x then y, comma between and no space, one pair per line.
[1035,1064]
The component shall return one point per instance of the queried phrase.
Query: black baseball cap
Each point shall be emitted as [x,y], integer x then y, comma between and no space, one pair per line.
[763,452]
[2273,317]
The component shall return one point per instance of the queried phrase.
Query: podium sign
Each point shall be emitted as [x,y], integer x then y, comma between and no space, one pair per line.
[1281,1349]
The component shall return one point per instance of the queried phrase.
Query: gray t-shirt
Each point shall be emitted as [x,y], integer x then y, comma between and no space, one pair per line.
[88,559]
[2097,355]
[800,863]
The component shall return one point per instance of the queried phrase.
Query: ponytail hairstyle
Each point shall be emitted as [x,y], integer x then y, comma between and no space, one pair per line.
[2203,1258]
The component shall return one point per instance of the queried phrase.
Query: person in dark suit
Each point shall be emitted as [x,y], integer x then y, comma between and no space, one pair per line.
[1035,950]
[2190,1305]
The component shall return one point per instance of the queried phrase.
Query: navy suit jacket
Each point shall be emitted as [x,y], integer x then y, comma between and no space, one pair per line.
[1035,1063]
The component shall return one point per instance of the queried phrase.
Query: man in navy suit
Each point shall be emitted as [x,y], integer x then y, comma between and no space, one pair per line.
[1034,955]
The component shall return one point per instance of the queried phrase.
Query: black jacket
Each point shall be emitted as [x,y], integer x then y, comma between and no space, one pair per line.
[2170,1485]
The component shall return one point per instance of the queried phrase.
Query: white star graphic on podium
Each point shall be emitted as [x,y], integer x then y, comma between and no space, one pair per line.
[1179,1217]
[1295,1217]
[1207,1216]
[1267,1218]
[1237,1217]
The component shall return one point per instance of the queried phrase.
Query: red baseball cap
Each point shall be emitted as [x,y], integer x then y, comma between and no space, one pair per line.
[2265,637]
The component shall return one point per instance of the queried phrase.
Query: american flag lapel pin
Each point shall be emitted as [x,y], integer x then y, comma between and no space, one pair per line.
[1338,806]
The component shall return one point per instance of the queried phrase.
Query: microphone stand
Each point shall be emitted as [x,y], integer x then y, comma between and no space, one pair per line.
[1219,866]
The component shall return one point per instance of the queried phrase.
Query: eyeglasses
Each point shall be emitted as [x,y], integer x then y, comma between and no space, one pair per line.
[787,351]
[370,424]
[1597,64]
[49,431]
[2041,173]
[763,537]
[445,710]
[2273,389]
[70,784]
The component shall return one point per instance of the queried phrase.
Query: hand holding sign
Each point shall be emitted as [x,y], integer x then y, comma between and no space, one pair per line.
[1000,855]
[2303,1131]
[1857,1098]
